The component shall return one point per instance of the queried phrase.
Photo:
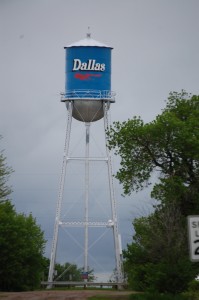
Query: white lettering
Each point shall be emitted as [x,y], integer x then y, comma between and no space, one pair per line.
[83,66]
[97,67]
[93,65]
[102,67]
[90,65]
[76,64]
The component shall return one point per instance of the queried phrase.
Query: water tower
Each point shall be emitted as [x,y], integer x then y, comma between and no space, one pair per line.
[87,97]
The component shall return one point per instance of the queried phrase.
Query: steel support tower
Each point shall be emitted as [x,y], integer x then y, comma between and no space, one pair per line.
[112,224]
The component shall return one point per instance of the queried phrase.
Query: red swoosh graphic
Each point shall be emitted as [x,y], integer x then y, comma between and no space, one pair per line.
[87,76]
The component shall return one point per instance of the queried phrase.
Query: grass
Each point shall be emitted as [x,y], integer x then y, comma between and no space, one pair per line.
[152,296]
[110,297]
[144,296]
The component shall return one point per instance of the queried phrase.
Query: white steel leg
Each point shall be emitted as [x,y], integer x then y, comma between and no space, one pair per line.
[60,197]
[119,272]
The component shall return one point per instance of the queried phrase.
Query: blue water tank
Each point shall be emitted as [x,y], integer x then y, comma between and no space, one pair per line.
[88,78]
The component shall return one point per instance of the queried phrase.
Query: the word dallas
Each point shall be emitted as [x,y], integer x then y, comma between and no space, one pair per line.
[90,65]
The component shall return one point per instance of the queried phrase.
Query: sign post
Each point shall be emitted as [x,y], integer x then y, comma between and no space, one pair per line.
[193,231]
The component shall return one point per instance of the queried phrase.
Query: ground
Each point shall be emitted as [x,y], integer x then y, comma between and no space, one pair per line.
[60,295]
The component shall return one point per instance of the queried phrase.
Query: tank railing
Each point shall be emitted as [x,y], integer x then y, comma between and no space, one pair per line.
[88,94]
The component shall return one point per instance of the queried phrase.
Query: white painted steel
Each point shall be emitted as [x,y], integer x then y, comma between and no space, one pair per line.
[60,196]
[110,224]
[89,158]
[88,42]
[89,224]
[89,95]
[88,104]
[119,268]
[86,199]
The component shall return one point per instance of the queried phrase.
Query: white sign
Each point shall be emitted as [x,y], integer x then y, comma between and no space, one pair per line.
[193,230]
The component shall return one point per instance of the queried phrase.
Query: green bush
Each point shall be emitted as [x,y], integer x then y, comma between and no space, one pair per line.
[161,277]
[155,296]
[193,286]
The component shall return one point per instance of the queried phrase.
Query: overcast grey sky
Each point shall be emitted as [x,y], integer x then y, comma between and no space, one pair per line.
[156,50]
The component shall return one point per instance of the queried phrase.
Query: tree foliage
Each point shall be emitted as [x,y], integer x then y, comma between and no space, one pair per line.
[5,172]
[21,242]
[21,252]
[70,272]
[67,272]
[168,145]
[158,257]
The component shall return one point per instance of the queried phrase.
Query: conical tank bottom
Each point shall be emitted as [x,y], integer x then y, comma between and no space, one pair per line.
[88,110]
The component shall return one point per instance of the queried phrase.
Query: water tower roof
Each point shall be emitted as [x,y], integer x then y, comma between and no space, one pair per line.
[88,42]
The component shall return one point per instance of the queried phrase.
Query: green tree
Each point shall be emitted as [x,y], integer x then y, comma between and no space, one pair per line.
[21,242]
[5,172]
[21,252]
[158,256]
[70,272]
[67,272]
[169,145]
[157,259]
